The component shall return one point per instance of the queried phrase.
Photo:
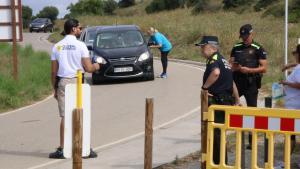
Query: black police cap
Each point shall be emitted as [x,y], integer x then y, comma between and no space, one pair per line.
[245,30]
[208,40]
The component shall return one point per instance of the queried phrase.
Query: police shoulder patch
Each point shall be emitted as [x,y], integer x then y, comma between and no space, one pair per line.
[215,57]
[256,45]
[238,44]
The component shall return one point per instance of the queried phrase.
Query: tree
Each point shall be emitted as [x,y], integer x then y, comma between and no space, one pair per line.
[263,4]
[190,3]
[26,15]
[200,6]
[160,5]
[126,3]
[86,7]
[50,12]
[228,4]
[109,6]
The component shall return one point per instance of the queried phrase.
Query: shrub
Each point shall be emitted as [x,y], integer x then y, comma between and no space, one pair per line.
[263,4]
[126,3]
[160,5]
[228,4]
[110,6]
[200,6]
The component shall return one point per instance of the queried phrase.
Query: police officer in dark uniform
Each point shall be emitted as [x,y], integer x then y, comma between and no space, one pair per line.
[248,60]
[219,82]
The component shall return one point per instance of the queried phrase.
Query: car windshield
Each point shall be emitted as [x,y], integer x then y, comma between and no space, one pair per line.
[39,20]
[119,39]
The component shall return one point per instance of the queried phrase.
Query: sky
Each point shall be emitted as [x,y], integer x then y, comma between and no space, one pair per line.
[37,5]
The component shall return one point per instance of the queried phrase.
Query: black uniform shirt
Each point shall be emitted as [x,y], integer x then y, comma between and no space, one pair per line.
[223,85]
[248,55]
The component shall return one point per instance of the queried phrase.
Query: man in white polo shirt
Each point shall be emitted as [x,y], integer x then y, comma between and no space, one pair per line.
[68,56]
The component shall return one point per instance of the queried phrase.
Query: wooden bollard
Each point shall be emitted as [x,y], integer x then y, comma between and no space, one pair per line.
[77,139]
[77,126]
[148,134]
[204,109]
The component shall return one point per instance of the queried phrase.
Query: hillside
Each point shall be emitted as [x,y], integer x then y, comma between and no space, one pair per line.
[184,29]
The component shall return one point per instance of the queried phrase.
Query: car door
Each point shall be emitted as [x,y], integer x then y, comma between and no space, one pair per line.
[49,24]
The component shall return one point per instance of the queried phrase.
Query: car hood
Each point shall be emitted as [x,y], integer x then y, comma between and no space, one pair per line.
[121,52]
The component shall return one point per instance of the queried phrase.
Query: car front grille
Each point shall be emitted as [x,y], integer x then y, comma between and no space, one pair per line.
[123,59]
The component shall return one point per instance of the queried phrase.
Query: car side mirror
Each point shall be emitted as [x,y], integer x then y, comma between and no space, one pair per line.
[90,47]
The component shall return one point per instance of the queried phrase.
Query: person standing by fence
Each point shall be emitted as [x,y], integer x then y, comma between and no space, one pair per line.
[249,61]
[218,81]
[163,44]
[292,89]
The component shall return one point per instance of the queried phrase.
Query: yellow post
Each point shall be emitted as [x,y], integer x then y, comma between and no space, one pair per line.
[287,151]
[254,150]
[79,89]
[204,112]
[238,149]
[270,137]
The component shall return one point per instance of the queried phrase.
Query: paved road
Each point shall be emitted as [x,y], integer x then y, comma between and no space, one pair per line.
[29,134]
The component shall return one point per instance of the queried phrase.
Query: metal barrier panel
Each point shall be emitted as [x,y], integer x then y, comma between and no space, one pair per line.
[263,120]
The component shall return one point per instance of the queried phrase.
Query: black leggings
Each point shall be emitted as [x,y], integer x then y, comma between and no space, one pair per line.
[164,60]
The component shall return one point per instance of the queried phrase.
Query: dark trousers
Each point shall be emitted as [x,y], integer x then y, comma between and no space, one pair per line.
[250,91]
[164,60]
[219,118]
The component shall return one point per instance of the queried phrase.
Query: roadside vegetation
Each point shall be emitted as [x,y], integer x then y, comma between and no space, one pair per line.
[34,77]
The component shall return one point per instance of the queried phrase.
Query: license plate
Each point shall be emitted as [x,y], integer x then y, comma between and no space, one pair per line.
[123,69]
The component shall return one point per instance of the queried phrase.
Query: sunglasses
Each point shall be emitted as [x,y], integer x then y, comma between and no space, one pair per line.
[79,27]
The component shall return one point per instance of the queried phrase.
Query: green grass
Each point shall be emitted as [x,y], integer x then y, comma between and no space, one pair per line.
[33,78]
[185,29]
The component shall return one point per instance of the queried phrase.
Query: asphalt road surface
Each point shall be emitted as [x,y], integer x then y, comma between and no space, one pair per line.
[29,134]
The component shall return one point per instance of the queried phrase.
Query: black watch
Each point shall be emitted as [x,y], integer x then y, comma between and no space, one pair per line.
[204,88]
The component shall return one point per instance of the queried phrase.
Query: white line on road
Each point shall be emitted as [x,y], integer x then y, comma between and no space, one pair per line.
[126,139]
[26,107]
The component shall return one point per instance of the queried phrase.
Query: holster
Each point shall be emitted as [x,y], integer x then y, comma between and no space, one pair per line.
[221,99]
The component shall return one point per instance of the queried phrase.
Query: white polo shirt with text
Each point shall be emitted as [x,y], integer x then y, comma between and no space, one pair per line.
[69,52]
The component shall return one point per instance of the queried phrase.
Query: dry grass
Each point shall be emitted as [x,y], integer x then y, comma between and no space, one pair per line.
[184,29]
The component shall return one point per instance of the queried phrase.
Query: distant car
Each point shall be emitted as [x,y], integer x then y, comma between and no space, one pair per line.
[124,52]
[41,24]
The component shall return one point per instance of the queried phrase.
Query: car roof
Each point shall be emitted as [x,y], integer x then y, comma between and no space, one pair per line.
[40,19]
[111,28]
[116,28]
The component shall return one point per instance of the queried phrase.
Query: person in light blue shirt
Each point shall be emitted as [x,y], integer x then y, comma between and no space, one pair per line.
[158,40]
[292,89]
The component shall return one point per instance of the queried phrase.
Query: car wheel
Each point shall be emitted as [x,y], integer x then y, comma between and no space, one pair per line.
[51,30]
[96,79]
[149,76]
[30,31]
[45,30]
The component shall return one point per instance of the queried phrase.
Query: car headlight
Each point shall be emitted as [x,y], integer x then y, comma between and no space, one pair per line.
[42,26]
[100,60]
[144,56]
[30,25]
